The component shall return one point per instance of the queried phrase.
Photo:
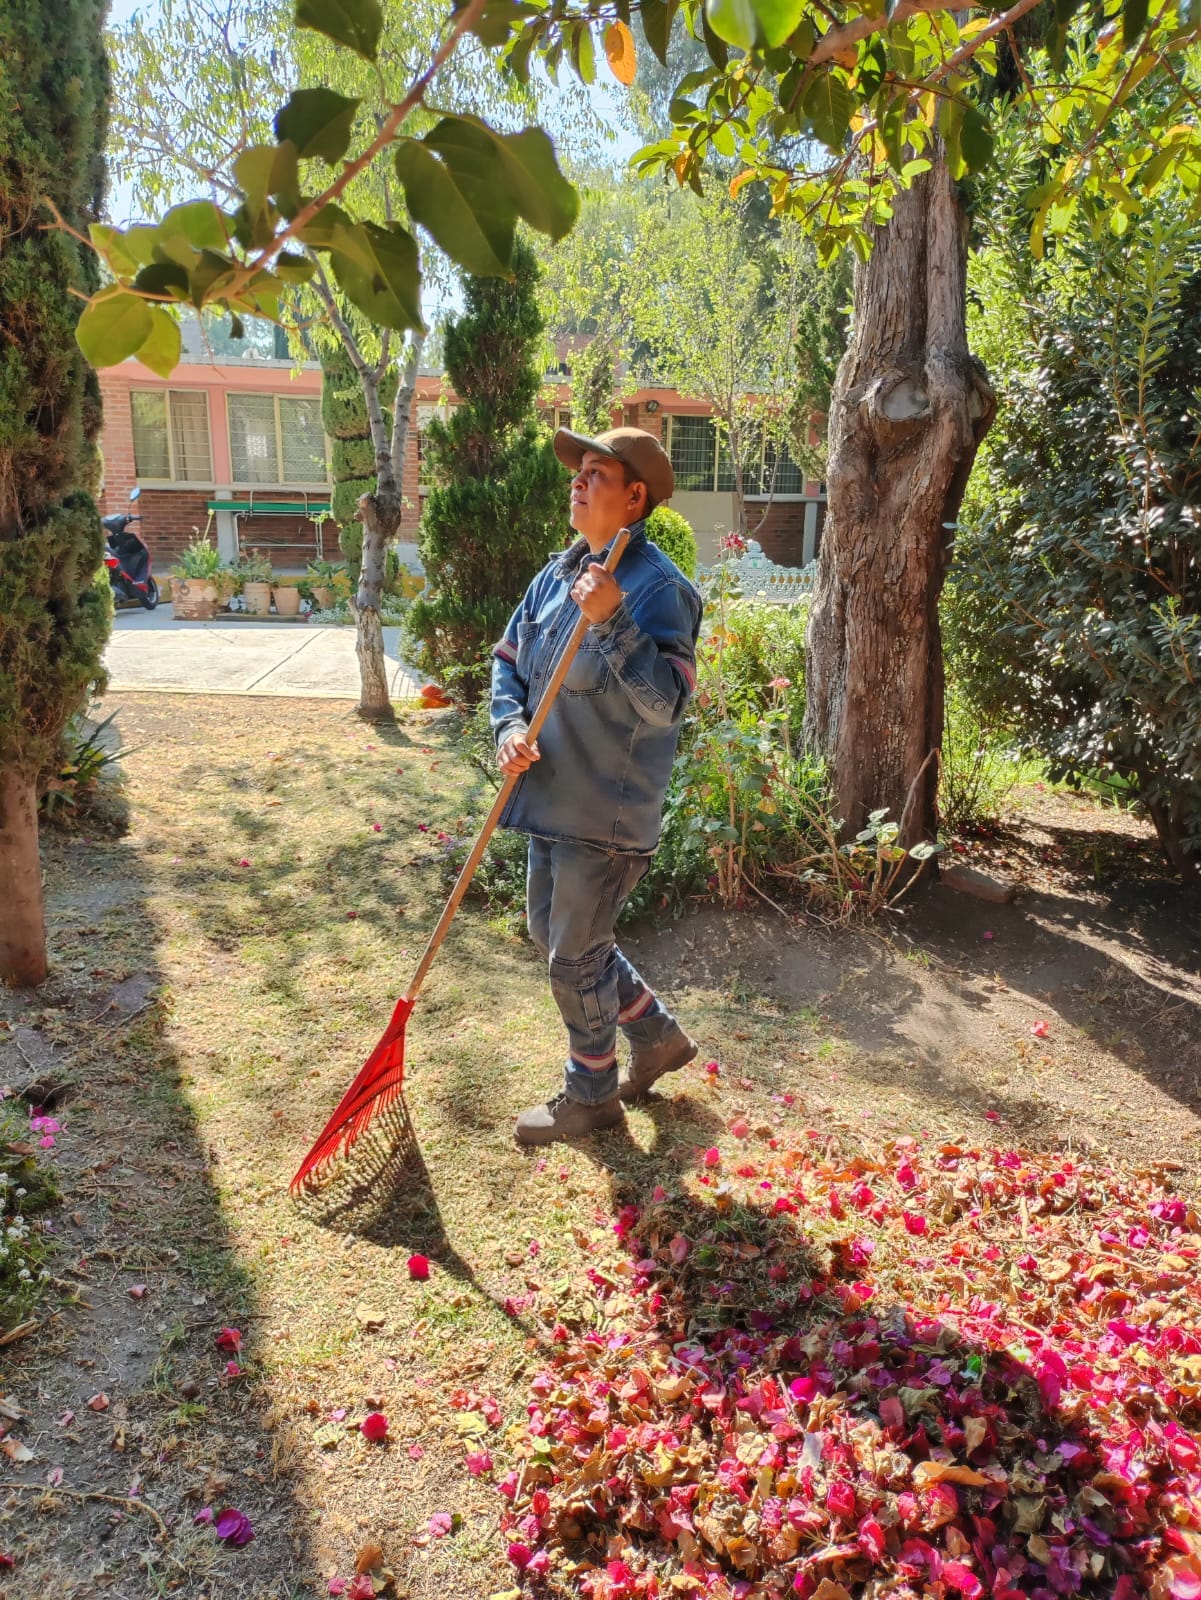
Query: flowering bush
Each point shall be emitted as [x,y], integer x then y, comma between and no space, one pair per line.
[25,1191]
[925,1370]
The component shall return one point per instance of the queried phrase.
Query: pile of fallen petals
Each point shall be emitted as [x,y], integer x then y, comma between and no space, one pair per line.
[929,1371]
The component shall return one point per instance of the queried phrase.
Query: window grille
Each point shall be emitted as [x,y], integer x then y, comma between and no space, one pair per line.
[302,441]
[276,439]
[252,440]
[789,479]
[693,449]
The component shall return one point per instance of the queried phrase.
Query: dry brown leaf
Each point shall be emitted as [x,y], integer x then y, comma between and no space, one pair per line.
[371,1555]
[975,1431]
[827,1589]
[619,52]
[16,1451]
[928,1472]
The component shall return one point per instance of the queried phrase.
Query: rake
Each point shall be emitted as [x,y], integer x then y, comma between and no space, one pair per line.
[381,1078]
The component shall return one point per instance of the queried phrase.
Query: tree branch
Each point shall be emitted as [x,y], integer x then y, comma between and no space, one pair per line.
[392,125]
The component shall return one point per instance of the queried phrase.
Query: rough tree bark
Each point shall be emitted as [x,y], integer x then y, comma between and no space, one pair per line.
[909,409]
[22,923]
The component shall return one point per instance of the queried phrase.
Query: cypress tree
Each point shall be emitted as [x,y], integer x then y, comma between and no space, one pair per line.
[344,415]
[55,607]
[499,502]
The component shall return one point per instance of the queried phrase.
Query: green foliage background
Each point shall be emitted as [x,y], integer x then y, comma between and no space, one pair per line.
[55,604]
[1074,612]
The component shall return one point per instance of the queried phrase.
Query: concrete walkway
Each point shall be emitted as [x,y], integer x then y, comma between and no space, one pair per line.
[150,650]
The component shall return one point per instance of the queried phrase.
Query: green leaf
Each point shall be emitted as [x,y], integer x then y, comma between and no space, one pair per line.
[778,18]
[464,211]
[827,104]
[161,347]
[320,231]
[976,139]
[357,24]
[734,21]
[522,165]
[199,222]
[293,268]
[657,17]
[110,242]
[113,326]
[318,122]
[379,271]
[583,54]
[163,277]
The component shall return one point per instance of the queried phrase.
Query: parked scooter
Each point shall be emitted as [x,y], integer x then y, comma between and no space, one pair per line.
[128,560]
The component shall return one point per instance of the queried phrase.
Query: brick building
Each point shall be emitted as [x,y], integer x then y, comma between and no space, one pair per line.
[232,445]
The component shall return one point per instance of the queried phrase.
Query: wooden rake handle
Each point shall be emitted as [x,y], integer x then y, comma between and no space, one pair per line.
[616,551]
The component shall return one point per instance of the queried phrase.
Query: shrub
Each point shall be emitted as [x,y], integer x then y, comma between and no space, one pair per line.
[1075,606]
[26,1189]
[674,536]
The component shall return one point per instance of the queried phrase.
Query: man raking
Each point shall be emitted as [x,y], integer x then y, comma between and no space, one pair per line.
[591,791]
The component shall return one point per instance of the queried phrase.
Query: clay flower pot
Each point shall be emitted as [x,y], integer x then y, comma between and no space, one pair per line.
[194,599]
[258,598]
[287,600]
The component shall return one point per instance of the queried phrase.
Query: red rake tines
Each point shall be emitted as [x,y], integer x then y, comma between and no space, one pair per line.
[382,1077]
[372,1092]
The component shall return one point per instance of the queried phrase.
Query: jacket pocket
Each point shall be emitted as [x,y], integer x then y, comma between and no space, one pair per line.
[527,646]
[589,672]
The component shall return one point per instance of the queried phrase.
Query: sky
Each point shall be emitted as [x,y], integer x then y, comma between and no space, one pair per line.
[120,206]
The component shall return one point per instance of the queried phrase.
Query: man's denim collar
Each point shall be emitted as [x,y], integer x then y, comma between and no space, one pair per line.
[578,552]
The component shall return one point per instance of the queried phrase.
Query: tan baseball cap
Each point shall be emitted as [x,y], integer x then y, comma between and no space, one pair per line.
[640,451]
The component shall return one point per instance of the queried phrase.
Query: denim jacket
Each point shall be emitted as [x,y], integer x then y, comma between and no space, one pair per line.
[609,742]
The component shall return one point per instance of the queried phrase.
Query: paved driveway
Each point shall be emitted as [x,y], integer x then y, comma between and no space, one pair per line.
[150,650]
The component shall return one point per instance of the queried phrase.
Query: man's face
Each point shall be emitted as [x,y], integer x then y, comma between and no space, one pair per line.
[602,501]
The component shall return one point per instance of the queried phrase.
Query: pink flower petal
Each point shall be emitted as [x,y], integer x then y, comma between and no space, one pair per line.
[374,1426]
[419,1268]
[712,1156]
[1040,1030]
[229,1340]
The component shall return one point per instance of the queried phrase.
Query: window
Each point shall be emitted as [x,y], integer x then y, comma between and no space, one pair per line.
[171,435]
[693,450]
[276,439]
[781,475]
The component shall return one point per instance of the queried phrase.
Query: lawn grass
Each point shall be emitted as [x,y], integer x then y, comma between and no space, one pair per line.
[282,868]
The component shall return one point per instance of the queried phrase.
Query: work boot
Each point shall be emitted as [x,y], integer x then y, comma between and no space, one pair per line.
[561,1118]
[648,1065]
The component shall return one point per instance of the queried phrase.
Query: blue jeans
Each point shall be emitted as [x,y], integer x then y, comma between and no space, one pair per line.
[574,893]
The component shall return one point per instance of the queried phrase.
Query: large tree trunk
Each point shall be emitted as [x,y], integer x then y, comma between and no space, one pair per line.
[909,408]
[22,919]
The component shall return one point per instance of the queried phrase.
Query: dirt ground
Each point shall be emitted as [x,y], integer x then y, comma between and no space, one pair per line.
[227,941]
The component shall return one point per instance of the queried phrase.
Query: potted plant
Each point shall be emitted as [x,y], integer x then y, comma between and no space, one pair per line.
[200,582]
[322,577]
[287,599]
[253,571]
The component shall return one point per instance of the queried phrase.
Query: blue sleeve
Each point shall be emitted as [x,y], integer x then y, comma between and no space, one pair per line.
[652,651]
[508,713]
